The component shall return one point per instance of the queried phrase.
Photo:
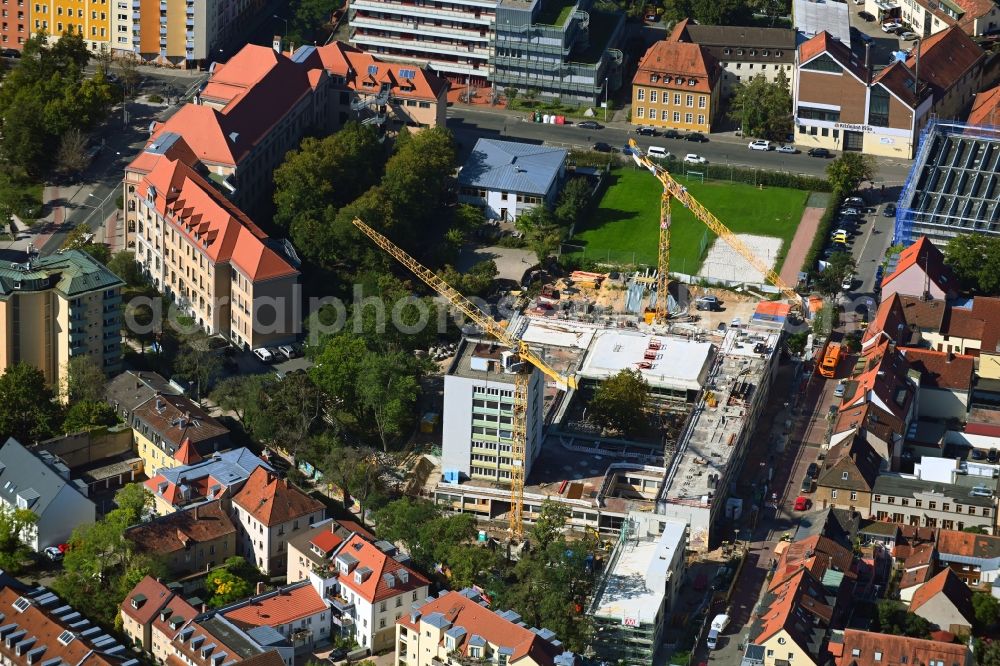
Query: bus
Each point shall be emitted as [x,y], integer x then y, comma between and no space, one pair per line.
[827,366]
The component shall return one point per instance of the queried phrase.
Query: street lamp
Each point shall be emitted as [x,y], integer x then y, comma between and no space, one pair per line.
[605,99]
[284,36]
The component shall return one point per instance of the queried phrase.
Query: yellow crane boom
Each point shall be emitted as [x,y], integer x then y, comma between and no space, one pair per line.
[679,192]
[493,328]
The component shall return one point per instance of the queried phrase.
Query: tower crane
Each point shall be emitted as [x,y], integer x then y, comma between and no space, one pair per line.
[497,331]
[673,189]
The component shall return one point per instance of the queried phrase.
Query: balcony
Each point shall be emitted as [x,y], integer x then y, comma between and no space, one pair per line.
[411,27]
[416,45]
[482,18]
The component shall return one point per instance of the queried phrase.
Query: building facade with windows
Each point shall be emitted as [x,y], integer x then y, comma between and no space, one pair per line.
[743,53]
[89,18]
[56,308]
[562,49]
[923,503]
[15,23]
[926,17]
[195,539]
[677,86]
[478,415]
[504,178]
[841,103]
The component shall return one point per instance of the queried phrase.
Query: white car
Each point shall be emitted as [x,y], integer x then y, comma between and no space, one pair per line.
[789,150]
[692,158]
[53,553]
[264,354]
[891,26]
[838,391]
[759,144]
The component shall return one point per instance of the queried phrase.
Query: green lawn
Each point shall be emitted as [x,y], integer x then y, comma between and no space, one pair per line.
[626,222]
[555,12]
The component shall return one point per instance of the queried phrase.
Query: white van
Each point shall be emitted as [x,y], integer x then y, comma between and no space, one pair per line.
[264,354]
[657,152]
[718,625]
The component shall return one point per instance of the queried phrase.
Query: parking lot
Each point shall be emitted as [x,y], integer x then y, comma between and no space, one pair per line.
[882,43]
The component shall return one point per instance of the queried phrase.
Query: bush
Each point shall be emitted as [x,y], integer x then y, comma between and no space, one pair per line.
[822,232]
[766,178]
[154,99]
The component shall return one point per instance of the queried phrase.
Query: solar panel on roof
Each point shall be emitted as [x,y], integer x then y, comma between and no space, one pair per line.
[372,70]
[407,73]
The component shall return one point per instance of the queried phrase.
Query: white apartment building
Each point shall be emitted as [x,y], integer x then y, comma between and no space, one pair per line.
[370,588]
[453,36]
[268,512]
[478,415]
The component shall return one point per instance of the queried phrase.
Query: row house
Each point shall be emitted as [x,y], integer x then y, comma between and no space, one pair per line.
[841,103]
[152,614]
[927,17]
[853,647]
[202,480]
[951,506]
[195,539]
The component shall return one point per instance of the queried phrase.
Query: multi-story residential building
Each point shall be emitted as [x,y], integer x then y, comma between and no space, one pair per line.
[967,502]
[926,18]
[41,483]
[56,308]
[945,602]
[15,24]
[920,272]
[296,612]
[743,53]
[371,588]
[847,475]
[168,429]
[40,628]
[842,104]
[212,260]
[152,613]
[89,18]
[852,647]
[313,550]
[503,178]
[946,381]
[451,37]
[637,595]
[195,539]
[677,86]
[459,626]
[218,477]
[562,49]
[268,512]
[974,558]
[478,416]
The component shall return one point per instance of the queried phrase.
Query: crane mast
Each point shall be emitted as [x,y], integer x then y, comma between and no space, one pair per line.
[672,188]
[521,379]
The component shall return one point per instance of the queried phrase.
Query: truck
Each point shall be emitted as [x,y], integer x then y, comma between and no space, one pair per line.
[715,630]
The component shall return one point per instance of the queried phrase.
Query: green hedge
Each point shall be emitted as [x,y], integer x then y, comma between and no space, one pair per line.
[823,231]
[752,176]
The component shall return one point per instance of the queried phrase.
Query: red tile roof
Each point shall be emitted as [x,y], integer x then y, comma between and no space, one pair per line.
[272,501]
[952,587]
[177,418]
[942,370]
[187,455]
[927,256]
[795,604]
[326,542]
[344,60]
[160,606]
[980,546]
[986,108]
[895,649]
[462,611]
[180,530]
[944,58]
[678,60]
[988,310]
[375,588]
[282,607]
[211,222]
[824,42]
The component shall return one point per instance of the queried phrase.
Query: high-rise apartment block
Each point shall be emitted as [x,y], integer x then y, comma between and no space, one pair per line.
[478,421]
[15,23]
[58,307]
[89,18]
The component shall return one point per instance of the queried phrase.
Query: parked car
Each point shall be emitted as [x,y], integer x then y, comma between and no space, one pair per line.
[818,152]
[908,36]
[976,454]
[847,210]
[891,26]
[866,16]
[785,148]
[802,503]
[839,389]
[697,137]
[10,53]
[692,158]
[602,147]
[759,144]
[847,283]
[889,210]
[658,152]
[813,471]
[652,18]
[671,134]
[646,130]
[288,351]
[590,124]
[718,625]
[53,554]
[710,303]
[264,354]
[807,485]
[856,202]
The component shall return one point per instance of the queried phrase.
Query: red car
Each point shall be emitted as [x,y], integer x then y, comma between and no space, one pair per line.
[801,503]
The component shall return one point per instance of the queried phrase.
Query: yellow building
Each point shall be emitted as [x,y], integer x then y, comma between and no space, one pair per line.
[58,307]
[676,87]
[172,430]
[90,18]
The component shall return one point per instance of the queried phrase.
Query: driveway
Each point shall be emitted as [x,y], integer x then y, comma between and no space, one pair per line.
[511,262]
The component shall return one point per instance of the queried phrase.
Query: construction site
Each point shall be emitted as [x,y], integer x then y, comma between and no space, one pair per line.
[515,426]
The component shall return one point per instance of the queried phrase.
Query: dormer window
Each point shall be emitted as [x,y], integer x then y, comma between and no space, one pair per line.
[357,577]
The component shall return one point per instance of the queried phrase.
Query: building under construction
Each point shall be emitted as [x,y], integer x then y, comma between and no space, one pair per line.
[708,388]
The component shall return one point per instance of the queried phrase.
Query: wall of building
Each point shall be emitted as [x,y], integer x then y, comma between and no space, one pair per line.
[277,311]
[83,448]
[67,511]
[839,498]
[939,610]
[782,647]
[943,404]
[15,26]
[686,110]
[931,512]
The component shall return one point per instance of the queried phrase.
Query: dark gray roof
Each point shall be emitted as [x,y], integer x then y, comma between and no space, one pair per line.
[512,167]
[24,474]
[130,389]
[235,639]
[743,37]
[71,273]
[888,484]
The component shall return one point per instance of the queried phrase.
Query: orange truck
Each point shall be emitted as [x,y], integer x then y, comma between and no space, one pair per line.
[827,366]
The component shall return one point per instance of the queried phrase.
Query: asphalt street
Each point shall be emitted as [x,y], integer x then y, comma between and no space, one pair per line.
[469,124]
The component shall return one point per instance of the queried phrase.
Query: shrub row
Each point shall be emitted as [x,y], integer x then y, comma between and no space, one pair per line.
[823,231]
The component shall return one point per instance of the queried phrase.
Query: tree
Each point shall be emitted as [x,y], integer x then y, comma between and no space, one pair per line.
[840,266]
[225,587]
[850,170]
[85,381]
[476,281]
[309,16]
[763,108]
[196,362]
[15,526]
[28,411]
[388,394]
[574,201]
[244,395]
[511,93]
[975,529]
[621,402]
[986,609]
[123,265]
[975,259]
[796,342]
[87,415]
[72,157]
[541,231]
[355,471]
[893,619]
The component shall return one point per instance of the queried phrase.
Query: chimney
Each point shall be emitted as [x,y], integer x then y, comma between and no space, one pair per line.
[950,357]
[260,588]
[868,66]
[276,43]
[916,79]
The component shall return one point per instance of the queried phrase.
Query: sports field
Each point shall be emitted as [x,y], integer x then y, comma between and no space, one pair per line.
[626,222]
